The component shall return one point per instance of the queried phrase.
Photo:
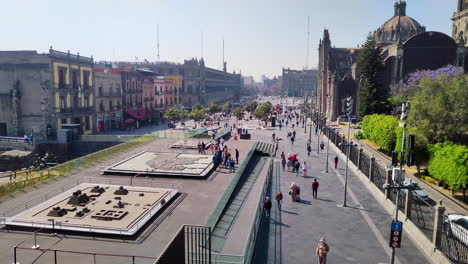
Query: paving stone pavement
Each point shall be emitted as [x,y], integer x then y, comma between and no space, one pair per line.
[356,234]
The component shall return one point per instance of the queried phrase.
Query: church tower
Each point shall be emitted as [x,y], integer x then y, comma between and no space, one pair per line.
[460,23]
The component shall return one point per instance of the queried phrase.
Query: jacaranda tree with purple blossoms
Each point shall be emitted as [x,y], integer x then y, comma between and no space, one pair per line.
[439,104]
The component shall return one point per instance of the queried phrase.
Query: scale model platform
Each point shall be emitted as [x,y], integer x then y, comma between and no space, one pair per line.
[106,209]
[164,164]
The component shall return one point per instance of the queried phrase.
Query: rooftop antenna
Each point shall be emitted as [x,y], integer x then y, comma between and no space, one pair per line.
[158,41]
[308,35]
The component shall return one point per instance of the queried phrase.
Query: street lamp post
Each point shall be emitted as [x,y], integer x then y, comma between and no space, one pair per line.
[348,146]
[404,115]
[328,148]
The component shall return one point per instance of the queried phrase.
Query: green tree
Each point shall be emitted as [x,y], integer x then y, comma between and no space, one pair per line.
[251,106]
[373,95]
[239,113]
[439,108]
[262,111]
[449,162]
[172,114]
[183,114]
[197,106]
[214,107]
[197,115]
[227,107]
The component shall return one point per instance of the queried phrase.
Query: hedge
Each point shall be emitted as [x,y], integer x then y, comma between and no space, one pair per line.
[380,129]
[449,162]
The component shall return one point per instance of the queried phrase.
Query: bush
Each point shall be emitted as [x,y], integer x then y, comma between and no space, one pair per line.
[448,162]
[380,129]
[359,135]
[429,179]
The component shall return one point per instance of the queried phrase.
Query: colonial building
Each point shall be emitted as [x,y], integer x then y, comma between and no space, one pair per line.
[200,84]
[407,48]
[43,93]
[178,90]
[298,82]
[336,78]
[460,22]
[132,97]
[108,83]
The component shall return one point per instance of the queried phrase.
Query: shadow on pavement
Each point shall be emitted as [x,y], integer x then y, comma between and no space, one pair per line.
[288,212]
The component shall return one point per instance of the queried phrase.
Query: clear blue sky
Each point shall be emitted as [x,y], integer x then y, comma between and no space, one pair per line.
[261,36]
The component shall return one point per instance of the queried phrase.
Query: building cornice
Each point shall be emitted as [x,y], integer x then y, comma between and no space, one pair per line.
[459,15]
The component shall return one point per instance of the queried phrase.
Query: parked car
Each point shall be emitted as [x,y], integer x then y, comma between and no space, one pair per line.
[457,225]
[342,118]
[417,191]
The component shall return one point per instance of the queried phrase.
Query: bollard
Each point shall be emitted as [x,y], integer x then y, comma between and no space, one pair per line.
[408,201]
[389,181]
[359,158]
[371,169]
[438,224]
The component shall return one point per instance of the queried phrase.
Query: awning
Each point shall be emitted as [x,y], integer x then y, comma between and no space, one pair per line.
[137,114]
[129,120]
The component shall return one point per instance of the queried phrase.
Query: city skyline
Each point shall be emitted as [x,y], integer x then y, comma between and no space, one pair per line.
[260,38]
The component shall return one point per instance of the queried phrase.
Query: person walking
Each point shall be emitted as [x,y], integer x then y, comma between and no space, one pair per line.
[336,162]
[273,136]
[283,156]
[304,169]
[283,162]
[267,206]
[297,165]
[279,198]
[292,140]
[309,149]
[322,146]
[237,156]
[322,250]
[315,186]
[294,133]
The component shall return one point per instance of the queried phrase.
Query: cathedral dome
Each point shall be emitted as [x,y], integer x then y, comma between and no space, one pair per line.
[399,27]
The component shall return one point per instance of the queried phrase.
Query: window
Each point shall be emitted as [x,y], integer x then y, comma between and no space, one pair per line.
[75,81]
[76,101]
[87,123]
[101,106]
[111,106]
[86,79]
[62,102]
[61,79]
[161,102]
[64,121]
[86,102]
[111,90]
[100,90]
[160,89]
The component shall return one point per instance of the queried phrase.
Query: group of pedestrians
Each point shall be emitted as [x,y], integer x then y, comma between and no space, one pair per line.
[224,157]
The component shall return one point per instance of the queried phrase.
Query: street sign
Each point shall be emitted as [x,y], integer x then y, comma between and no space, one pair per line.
[395,234]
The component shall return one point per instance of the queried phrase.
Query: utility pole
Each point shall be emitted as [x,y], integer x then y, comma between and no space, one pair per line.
[348,146]
[396,182]
[328,148]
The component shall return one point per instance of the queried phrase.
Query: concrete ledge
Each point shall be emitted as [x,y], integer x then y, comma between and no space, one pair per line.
[416,235]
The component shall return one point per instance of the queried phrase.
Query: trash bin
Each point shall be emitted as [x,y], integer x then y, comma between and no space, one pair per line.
[235,137]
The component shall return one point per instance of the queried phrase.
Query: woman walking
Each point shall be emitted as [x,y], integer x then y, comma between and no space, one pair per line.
[304,169]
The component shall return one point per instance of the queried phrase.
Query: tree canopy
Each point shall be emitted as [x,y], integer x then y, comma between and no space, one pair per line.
[373,95]
[251,106]
[439,108]
[172,114]
[214,107]
[239,113]
[227,107]
[262,111]
[197,114]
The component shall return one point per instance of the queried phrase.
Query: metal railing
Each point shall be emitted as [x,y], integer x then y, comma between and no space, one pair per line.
[454,242]
[71,166]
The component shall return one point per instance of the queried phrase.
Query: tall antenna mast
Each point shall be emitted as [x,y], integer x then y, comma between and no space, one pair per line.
[308,35]
[158,42]
[202,44]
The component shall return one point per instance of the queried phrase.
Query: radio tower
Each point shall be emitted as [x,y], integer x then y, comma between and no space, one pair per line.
[308,35]
[158,41]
